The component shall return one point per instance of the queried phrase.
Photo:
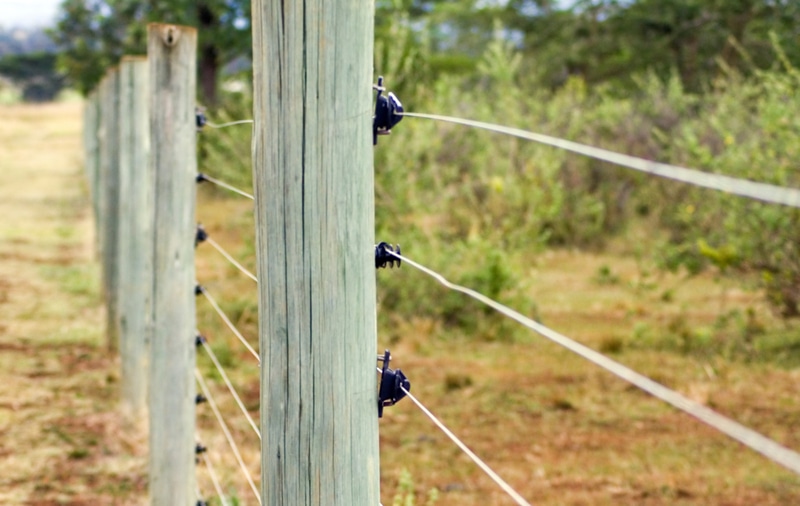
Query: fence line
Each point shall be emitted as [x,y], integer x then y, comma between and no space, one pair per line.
[228,124]
[214,480]
[200,237]
[222,184]
[230,259]
[755,190]
[477,460]
[228,322]
[228,383]
[742,187]
[227,432]
[750,438]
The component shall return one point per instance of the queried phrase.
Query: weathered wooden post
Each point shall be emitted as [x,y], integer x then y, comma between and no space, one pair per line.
[135,287]
[171,52]
[312,154]
[91,132]
[108,196]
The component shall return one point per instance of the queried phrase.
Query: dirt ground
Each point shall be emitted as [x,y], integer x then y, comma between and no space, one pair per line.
[61,437]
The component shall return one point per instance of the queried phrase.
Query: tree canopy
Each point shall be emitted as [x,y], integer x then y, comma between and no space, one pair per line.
[95,34]
[598,40]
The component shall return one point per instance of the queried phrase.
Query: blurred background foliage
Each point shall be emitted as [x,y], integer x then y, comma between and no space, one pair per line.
[711,85]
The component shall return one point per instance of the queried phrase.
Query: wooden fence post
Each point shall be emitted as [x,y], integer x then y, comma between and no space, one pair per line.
[108,199]
[91,126]
[313,178]
[135,287]
[171,52]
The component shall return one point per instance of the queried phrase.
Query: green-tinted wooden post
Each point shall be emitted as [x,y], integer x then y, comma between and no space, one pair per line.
[171,52]
[312,154]
[135,287]
[91,126]
[108,193]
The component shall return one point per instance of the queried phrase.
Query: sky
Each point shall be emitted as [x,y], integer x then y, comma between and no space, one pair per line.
[28,13]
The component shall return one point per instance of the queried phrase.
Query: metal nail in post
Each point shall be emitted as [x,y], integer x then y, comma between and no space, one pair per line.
[388,112]
[392,384]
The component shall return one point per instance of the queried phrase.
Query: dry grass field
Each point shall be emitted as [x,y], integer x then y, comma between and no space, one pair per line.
[61,437]
[561,431]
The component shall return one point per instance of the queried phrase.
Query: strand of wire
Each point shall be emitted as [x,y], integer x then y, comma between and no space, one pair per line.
[228,322]
[214,480]
[230,259]
[229,124]
[463,447]
[227,432]
[750,438]
[477,460]
[228,383]
[222,184]
[742,187]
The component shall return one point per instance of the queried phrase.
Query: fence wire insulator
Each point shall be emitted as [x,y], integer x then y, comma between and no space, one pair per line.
[198,290]
[388,112]
[200,119]
[200,340]
[200,177]
[393,386]
[384,256]
[200,502]
[199,449]
[200,235]
[200,399]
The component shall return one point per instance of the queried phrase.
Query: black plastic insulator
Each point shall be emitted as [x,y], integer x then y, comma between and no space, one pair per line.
[200,235]
[198,289]
[199,340]
[388,112]
[383,257]
[198,449]
[200,119]
[200,399]
[392,385]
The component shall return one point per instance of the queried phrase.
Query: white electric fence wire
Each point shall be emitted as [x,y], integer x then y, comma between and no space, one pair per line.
[229,323]
[742,187]
[484,467]
[228,383]
[463,447]
[229,124]
[227,432]
[750,438]
[230,259]
[214,480]
[222,184]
